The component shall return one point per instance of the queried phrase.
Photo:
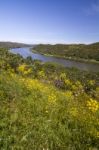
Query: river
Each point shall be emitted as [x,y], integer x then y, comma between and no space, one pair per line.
[25,52]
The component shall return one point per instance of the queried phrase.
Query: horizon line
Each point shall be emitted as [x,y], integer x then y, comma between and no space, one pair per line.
[49,43]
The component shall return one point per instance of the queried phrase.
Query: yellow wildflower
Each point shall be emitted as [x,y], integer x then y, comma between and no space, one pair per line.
[21,68]
[52,98]
[67,82]
[24,70]
[69,95]
[74,111]
[92,105]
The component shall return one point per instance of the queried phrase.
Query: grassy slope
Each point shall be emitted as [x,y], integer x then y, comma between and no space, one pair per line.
[34,114]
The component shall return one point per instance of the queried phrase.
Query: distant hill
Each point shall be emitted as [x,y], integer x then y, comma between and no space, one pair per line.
[74,51]
[12,45]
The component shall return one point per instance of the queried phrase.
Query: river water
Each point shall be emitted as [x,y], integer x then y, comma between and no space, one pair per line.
[25,52]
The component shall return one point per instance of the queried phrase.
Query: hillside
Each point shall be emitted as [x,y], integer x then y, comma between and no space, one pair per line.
[73,51]
[47,106]
[12,45]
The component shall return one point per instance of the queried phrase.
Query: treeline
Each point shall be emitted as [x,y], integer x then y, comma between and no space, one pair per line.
[78,51]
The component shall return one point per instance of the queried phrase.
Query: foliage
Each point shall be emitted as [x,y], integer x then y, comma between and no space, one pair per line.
[80,51]
[48,108]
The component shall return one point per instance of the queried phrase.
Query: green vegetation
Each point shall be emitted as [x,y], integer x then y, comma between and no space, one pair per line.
[74,51]
[13,45]
[47,106]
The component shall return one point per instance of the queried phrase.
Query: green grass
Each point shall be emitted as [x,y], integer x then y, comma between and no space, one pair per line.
[47,107]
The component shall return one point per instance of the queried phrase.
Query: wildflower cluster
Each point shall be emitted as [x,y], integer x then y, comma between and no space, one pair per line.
[52,98]
[23,69]
[36,114]
[69,95]
[92,105]
[73,111]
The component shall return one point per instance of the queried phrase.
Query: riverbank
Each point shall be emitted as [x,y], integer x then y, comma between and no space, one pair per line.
[77,52]
[26,52]
[67,58]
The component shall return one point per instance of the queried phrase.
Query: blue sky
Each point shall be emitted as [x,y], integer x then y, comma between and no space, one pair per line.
[49,21]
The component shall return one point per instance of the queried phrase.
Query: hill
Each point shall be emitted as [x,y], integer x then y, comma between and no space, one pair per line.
[72,51]
[47,107]
[12,45]
[35,115]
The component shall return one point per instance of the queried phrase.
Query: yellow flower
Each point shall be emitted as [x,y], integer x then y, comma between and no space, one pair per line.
[24,70]
[52,98]
[92,105]
[74,111]
[67,82]
[21,68]
[69,95]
